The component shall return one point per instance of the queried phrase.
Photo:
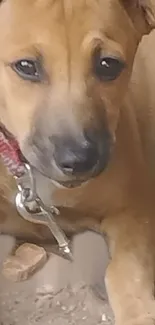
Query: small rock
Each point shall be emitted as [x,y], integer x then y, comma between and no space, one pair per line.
[45,289]
[104,318]
[28,259]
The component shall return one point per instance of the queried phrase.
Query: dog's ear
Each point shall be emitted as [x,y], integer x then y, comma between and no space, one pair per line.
[142,13]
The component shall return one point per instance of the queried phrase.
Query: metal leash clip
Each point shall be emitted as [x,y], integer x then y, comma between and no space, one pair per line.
[32,209]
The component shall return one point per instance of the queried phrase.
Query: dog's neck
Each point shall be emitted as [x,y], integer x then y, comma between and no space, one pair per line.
[47,190]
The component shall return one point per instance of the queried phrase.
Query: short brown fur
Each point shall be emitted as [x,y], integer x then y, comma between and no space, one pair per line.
[120,201]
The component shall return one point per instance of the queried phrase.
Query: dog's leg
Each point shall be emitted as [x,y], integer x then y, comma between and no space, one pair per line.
[130,275]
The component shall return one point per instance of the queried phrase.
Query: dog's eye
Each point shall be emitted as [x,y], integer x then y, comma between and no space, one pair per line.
[107,68]
[28,69]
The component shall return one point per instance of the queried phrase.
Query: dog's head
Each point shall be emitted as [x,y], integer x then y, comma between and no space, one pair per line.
[64,70]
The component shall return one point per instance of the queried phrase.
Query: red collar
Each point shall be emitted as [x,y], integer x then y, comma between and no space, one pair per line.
[10,153]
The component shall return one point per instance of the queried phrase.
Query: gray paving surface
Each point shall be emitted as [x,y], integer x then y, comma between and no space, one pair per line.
[61,293]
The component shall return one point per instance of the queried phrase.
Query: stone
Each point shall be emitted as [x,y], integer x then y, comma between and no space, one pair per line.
[28,258]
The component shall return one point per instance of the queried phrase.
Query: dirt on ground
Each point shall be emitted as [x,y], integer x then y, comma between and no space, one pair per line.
[62,293]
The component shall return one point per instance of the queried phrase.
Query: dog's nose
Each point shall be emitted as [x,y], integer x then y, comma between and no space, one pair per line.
[75,158]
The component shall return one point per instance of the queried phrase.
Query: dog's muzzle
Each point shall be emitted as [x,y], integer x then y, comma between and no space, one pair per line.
[70,160]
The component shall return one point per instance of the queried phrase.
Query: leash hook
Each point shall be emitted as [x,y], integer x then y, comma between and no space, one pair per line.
[32,209]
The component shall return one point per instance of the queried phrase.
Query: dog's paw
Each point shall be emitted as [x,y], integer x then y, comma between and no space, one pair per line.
[139,321]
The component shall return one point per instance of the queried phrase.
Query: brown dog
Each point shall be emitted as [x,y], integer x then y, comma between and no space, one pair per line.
[82,111]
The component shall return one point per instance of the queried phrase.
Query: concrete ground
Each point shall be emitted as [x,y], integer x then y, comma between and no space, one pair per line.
[62,293]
